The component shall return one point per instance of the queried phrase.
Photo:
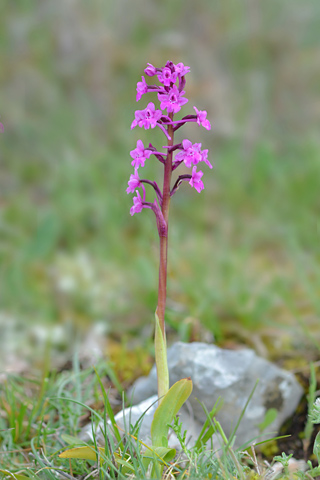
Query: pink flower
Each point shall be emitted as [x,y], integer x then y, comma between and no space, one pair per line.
[166,76]
[181,69]
[191,154]
[139,155]
[133,183]
[1,128]
[172,100]
[202,118]
[150,70]
[137,204]
[142,87]
[195,180]
[147,118]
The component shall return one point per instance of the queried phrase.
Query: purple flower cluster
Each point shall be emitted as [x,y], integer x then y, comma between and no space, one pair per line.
[171,95]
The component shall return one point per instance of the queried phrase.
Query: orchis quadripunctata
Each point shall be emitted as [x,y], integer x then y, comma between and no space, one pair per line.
[170,93]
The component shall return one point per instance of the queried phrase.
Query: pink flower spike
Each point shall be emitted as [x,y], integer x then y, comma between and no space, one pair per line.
[172,100]
[1,128]
[195,180]
[133,183]
[150,70]
[167,77]
[202,118]
[147,118]
[137,204]
[181,69]
[139,155]
[142,87]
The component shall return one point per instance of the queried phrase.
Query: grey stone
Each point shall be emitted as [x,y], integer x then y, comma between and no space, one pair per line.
[230,375]
[126,417]
[189,423]
[147,408]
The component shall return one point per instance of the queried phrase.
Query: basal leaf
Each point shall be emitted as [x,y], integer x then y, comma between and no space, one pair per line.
[161,360]
[160,456]
[167,410]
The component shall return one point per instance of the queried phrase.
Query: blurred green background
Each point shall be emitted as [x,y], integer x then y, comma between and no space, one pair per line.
[244,253]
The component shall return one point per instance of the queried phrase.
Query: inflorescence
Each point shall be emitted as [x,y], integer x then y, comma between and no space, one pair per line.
[170,93]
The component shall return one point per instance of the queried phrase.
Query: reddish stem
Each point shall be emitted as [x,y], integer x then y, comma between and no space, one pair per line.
[163,234]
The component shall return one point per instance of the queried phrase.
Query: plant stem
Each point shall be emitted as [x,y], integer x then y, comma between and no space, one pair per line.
[162,367]
[162,291]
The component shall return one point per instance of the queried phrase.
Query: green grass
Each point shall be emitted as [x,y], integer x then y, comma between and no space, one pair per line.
[41,419]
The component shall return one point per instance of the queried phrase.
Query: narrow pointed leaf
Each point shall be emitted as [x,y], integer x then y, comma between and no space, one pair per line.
[110,412]
[70,440]
[161,360]
[208,428]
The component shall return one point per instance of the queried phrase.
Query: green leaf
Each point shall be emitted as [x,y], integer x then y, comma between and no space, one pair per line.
[16,476]
[161,360]
[208,428]
[167,410]
[70,440]
[110,412]
[270,416]
[82,453]
[316,447]
[164,454]
[159,456]
[231,437]
[126,465]
[314,472]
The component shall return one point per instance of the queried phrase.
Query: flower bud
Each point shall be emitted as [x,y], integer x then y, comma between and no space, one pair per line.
[150,70]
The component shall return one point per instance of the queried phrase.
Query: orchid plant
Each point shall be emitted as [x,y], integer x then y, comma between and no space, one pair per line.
[171,95]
